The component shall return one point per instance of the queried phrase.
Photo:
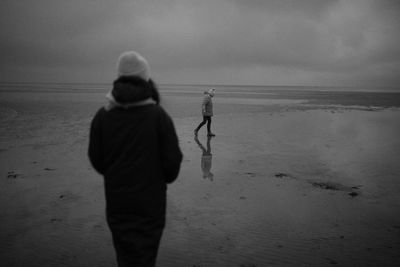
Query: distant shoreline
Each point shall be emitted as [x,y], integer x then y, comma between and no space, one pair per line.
[4,86]
[307,95]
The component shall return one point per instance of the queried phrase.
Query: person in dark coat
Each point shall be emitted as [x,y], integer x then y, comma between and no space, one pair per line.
[134,145]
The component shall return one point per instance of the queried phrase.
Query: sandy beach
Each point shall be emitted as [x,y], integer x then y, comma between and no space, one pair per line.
[297,179]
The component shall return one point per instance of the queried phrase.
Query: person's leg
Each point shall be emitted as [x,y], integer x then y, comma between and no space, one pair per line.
[201,124]
[136,239]
[209,133]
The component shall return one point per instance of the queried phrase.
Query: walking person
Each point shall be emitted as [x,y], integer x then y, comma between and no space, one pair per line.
[133,144]
[207,111]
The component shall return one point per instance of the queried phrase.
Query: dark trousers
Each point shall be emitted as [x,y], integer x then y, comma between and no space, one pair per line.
[206,119]
[136,238]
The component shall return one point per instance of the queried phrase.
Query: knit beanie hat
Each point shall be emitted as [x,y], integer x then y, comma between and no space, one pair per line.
[131,63]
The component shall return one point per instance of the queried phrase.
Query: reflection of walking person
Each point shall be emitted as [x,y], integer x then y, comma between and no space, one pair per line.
[133,144]
[206,158]
[207,111]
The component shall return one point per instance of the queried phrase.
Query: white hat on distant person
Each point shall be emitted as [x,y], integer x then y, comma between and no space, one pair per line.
[131,63]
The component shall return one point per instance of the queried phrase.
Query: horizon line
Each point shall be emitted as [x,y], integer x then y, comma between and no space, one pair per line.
[202,84]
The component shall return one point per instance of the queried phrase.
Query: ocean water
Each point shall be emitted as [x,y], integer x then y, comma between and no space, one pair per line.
[190,88]
[382,97]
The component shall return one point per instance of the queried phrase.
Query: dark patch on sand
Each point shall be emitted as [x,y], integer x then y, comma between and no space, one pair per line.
[251,174]
[336,187]
[281,175]
[326,185]
[331,261]
[68,196]
[353,194]
[13,175]
[49,169]
[352,190]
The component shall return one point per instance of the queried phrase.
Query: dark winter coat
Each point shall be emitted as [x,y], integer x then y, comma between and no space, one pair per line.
[136,150]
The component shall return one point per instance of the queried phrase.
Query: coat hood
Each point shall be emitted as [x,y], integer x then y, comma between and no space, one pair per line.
[130,91]
[210,92]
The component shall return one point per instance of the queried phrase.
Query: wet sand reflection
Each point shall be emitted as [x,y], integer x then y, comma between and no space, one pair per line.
[206,158]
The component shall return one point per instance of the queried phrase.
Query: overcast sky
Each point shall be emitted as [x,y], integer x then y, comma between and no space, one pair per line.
[255,42]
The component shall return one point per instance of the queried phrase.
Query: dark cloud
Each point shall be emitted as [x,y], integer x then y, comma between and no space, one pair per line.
[205,41]
[49,31]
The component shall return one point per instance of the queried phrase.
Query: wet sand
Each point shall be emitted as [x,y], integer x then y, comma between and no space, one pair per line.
[286,182]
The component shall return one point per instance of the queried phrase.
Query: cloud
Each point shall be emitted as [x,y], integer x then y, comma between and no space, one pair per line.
[205,41]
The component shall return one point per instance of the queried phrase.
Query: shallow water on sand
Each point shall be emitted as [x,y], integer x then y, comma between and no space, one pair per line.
[280,191]
[283,183]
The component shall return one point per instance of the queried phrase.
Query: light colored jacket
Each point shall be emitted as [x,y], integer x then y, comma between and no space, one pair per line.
[207,106]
